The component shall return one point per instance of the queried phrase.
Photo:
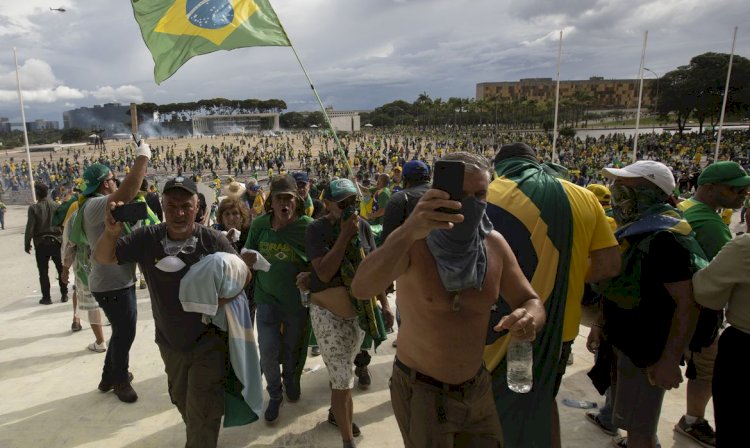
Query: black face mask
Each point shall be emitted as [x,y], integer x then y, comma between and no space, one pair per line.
[630,203]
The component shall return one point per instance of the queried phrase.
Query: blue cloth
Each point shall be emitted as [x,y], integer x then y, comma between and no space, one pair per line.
[223,275]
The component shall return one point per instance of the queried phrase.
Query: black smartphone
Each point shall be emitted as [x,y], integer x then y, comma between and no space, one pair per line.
[449,177]
[133,212]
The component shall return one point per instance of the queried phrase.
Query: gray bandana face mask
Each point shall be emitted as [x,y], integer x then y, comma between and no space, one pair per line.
[460,252]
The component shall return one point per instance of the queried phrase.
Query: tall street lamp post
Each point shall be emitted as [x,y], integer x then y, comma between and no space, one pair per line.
[656,101]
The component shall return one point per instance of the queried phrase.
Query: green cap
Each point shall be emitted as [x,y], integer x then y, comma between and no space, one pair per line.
[725,173]
[94,176]
[340,189]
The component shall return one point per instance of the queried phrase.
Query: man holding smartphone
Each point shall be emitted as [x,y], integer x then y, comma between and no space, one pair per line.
[113,286]
[195,354]
[441,392]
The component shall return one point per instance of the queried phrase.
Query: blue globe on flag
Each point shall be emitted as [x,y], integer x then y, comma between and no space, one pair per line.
[210,14]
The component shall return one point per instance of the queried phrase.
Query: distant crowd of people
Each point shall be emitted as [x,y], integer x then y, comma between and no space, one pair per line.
[308,259]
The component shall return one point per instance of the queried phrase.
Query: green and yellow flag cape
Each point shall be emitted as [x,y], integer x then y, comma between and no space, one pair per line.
[530,208]
[177,30]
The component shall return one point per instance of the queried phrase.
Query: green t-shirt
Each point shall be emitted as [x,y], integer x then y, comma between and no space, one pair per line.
[285,250]
[710,231]
[381,200]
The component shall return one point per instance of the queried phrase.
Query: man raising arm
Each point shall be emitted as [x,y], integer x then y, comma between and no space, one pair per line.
[438,370]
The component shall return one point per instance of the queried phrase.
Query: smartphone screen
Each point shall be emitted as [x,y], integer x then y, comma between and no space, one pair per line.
[449,177]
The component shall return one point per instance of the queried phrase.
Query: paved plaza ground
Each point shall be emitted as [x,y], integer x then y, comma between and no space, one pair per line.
[48,379]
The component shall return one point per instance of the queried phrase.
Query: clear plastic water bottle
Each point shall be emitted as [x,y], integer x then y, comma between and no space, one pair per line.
[580,404]
[520,366]
[304,298]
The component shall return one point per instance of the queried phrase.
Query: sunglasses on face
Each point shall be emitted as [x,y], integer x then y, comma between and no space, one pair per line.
[346,203]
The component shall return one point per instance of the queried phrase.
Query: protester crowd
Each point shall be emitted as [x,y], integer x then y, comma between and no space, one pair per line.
[304,243]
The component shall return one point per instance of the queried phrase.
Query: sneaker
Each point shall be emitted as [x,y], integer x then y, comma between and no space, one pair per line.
[356,432]
[569,362]
[622,442]
[701,432]
[106,387]
[593,417]
[272,411]
[142,284]
[64,298]
[45,301]
[76,326]
[98,348]
[363,374]
[395,343]
[125,392]
[315,351]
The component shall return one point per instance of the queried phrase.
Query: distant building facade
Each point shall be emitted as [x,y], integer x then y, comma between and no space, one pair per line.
[40,125]
[112,117]
[36,125]
[234,124]
[603,93]
[344,121]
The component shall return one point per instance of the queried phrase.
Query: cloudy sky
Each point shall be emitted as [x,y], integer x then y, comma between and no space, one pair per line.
[359,53]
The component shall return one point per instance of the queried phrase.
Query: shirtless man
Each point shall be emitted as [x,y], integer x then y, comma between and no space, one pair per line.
[440,391]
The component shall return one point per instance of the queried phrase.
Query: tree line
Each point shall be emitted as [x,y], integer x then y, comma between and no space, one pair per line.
[692,91]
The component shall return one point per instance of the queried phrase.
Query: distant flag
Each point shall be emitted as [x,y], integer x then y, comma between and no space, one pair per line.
[177,30]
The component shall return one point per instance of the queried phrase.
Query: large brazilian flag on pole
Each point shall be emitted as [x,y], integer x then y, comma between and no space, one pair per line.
[530,208]
[177,30]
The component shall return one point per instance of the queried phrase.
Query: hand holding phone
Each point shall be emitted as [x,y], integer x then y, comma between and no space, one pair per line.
[133,212]
[449,177]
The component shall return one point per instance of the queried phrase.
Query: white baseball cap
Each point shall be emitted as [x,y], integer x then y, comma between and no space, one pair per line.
[655,172]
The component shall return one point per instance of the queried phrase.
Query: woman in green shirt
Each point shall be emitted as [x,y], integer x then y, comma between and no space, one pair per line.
[282,321]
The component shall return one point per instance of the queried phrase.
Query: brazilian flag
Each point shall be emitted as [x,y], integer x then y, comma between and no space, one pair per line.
[530,208]
[177,30]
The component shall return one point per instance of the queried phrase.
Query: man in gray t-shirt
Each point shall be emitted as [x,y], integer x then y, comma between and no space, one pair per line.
[113,286]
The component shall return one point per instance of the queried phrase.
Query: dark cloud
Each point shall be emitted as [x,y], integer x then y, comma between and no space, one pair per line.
[362,54]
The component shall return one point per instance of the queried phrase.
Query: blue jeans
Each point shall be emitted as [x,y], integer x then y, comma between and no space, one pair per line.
[605,413]
[287,349]
[120,308]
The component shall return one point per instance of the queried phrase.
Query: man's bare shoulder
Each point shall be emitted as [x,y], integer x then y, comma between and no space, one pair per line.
[497,242]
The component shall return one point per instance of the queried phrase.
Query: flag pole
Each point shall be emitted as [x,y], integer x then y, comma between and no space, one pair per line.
[25,132]
[339,147]
[555,159]
[726,94]
[640,97]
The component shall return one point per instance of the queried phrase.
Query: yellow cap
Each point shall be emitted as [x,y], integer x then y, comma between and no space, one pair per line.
[601,192]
